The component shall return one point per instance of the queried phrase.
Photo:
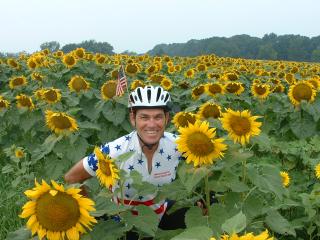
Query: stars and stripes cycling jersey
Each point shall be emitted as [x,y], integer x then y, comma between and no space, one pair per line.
[164,165]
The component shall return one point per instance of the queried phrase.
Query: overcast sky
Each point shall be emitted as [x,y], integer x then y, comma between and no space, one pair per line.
[138,25]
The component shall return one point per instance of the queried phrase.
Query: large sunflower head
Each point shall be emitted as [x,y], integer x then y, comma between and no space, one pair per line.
[302,90]
[198,91]
[182,119]
[214,88]
[198,144]
[260,91]
[107,171]
[69,60]
[209,110]
[166,83]
[108,89]
[240,125]
[285,178]
[234,87]
[24,101]
[17,82]
[60,122]
[78,83]
[51,95]
[56,213]
[4,104]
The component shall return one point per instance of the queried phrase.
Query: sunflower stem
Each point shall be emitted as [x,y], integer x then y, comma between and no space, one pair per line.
[244,170]
[207,192]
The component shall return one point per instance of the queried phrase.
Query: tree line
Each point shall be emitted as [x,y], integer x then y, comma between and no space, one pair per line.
[270,47]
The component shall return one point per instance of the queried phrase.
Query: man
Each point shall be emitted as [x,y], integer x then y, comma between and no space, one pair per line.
[155,153]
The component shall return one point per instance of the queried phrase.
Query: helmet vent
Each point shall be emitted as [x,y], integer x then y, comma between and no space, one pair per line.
[149,95]
[131,99]
[158,94]
[166,98]
[139,94]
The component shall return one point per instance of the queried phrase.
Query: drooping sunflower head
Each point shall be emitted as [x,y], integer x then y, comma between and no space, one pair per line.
[209,110]
[37,76]
[184,84]
[79,53]
[285,178]
[136,83]
[60,122]
[13,63]
[31,63]
[317,170]
[152,69]
[51,95]
[4,104]
[302,90]
[56,213]
[132,69]
[24,101]
[198,91]
[108,89]
[234,87]
[290,78]
[240,125]
[17,82]
[213,89]
[182,119]
[198,144]
[107,171]
[157,78]
[78,83]
[260,91]
[166,83]
[69,60]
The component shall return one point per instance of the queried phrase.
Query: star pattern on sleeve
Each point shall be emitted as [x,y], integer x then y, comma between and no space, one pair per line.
[161,151]
[131,167]
[158,164]
[127,138]
[169,157]
[105,149]
[118,147]
[140,161]
[92,162]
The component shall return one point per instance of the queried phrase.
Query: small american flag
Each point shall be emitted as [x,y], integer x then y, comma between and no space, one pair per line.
[122,82]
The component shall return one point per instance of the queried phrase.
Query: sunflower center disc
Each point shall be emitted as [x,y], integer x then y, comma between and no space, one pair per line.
[105,168]
[260,90]
[199,144]
[57,213]
[109,90]
[61,122]
[211,111]
[240,125]
[51,95]
[302,92]
[215,89]
[79,84]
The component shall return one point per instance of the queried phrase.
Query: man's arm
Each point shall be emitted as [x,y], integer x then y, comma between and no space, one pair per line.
[77,174]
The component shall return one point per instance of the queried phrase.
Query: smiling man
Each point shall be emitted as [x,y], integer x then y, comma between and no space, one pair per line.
[155,152]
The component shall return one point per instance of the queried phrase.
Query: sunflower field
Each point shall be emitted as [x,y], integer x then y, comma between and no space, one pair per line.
[248,130]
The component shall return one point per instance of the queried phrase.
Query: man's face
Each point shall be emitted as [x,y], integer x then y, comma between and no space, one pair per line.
[150,124]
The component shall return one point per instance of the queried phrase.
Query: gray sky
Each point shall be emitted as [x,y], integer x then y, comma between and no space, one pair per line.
[138,25]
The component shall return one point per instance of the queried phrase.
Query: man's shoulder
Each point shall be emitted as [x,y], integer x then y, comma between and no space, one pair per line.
[172,137]
[121,144]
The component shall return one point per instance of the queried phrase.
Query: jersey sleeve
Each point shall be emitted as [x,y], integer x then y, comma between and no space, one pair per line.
[90,163]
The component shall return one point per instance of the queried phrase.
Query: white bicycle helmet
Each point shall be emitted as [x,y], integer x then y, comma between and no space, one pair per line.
[149,97]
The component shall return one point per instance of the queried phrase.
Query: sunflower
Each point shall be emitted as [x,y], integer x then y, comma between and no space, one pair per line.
[198,144]
[214,88]
[317,170]
[69,60]
[166,83]
[248,236]
[201,67]
[114,74]
[152,69]
[184,84]
[56,213]
[209,110]
[132,69]
[182,119]
[285,178]
[4,104]
[189,73]
[12,63]
[198,91]
[315,83]
[260,91]
[78,83]
[32,64]
[240,125]
[51,95]
[230,76]
[108,89]
[107,172]
[24,101]
[79,53]
[38,94]
[290,79]
[19,153]
[213,75]
[17,82]
[302,90]
[136,83]
[58,53]
[37,76]
[234,87]
[177,68]
[278,88]
[157,78]
[171,70]
[60,122]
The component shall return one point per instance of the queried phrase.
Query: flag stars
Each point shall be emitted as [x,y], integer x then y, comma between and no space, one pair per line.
[105,149]
[118,147]
[130,167]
